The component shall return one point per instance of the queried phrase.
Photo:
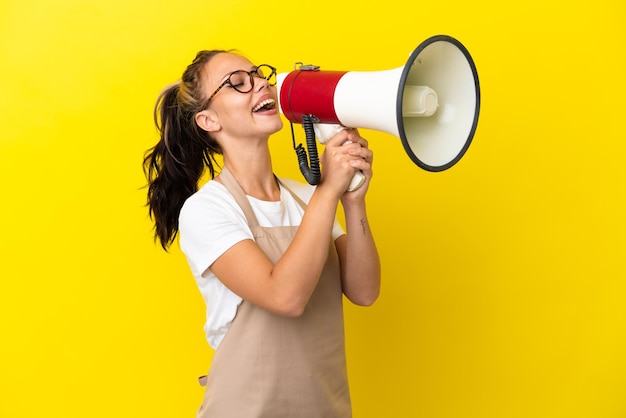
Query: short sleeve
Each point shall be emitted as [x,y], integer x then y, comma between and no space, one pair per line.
[210,223]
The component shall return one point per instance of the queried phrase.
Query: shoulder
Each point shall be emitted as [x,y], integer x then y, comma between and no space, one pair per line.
[211,210]
[211,199]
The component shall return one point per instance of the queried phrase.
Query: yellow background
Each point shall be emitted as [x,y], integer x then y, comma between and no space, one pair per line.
[503,292]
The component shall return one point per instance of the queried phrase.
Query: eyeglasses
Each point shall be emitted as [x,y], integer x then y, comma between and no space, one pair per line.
[243,81]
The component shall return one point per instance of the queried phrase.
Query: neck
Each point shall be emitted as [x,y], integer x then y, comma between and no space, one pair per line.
[253,171]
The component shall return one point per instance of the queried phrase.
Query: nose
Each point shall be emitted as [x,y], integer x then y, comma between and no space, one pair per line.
[260,83]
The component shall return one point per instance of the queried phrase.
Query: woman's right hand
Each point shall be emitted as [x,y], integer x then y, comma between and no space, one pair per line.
[337,169]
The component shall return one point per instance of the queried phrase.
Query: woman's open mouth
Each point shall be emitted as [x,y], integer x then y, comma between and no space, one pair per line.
[265,105]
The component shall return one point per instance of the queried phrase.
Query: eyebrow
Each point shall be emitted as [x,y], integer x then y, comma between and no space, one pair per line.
[252,68]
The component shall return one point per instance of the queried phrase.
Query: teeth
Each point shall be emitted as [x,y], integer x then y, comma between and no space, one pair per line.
[263,103]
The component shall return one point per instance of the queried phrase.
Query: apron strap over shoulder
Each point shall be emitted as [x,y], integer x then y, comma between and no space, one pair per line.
[230,182]
[235,189]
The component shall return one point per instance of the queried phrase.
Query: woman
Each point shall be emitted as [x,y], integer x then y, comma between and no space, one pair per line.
[268,256]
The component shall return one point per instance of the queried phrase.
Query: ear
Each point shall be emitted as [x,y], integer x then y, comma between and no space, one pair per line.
[208,121]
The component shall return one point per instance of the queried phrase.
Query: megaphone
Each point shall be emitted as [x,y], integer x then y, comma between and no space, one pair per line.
[431,103]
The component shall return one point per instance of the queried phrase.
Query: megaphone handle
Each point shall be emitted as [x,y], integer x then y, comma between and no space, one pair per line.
[357,181]
[325,131]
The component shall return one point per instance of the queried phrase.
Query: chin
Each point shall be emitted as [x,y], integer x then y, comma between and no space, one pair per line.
[277,126]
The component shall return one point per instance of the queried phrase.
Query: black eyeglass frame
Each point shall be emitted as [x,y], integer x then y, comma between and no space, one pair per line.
[251,74]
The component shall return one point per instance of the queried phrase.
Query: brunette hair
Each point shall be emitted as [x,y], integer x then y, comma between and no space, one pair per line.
[175,164]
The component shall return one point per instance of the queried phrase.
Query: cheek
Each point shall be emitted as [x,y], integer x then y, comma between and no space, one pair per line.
[235,113]
[236,123]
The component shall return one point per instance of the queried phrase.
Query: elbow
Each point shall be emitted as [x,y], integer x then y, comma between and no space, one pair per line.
[290,308]
[364,298]
[294,312]
[367,300]
[370,301]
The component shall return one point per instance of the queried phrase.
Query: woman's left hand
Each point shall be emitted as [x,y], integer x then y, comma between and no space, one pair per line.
[362,162]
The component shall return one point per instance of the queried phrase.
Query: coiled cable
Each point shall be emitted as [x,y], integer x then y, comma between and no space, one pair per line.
[309,165]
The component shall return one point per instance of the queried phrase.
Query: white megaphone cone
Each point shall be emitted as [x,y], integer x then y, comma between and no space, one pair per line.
[431,103]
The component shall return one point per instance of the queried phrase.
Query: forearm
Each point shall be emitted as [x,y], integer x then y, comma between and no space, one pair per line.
[297,272]
[360,268]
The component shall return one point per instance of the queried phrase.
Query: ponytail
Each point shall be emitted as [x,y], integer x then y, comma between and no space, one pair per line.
[174,166]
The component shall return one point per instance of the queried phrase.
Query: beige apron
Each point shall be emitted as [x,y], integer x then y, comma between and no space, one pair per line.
[277,367]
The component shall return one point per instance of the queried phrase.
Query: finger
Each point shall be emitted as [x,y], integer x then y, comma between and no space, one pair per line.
[361,152]
[361,165]
[355,137]
[369,156]
[339,138]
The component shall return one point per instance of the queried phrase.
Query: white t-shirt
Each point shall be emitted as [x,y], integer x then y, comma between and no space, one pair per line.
[211,222]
